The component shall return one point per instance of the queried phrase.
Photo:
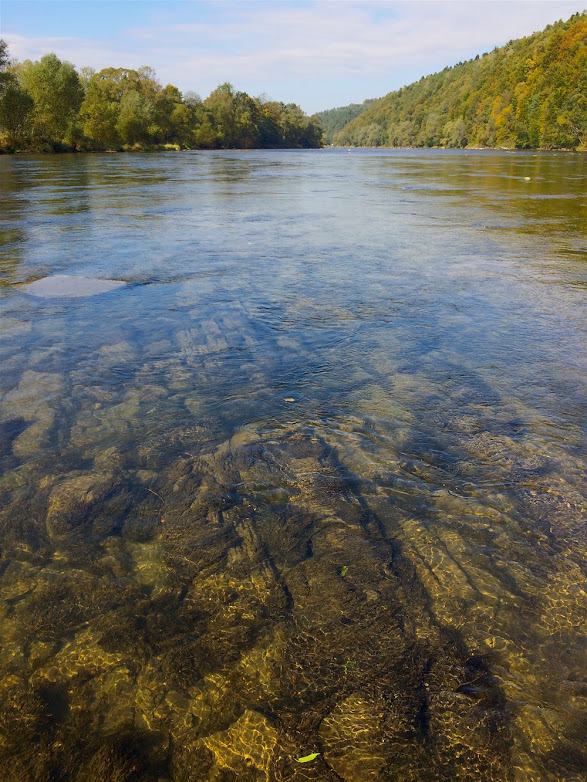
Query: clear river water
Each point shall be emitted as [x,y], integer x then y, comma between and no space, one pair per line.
[310,483]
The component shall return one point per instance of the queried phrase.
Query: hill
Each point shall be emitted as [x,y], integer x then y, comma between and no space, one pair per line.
[333,120]
[531,93]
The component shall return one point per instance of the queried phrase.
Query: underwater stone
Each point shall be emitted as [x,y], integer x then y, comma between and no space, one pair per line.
[251,739]
[11,327]
[71,500]
[160,348]
[352,739]
[69,286]
[31,393]
[29,401]
[119,353]
[108,460]
[106,424]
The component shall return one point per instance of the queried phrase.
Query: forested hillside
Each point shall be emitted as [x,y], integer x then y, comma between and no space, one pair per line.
[333,120]
[49,106]
[530,93]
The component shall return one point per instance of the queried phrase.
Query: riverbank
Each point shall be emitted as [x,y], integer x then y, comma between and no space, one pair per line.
[580,149]
[62,149]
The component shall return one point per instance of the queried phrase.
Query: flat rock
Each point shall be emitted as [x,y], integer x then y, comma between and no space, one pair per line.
[70,286]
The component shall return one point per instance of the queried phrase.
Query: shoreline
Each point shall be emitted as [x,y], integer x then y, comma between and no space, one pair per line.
[165,148]
[581,150]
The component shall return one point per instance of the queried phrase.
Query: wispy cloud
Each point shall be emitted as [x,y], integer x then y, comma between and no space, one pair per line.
[97,52]
[261,45]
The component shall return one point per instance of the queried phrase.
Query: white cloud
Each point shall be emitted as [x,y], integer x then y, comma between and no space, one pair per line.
[80,51]
[268,44]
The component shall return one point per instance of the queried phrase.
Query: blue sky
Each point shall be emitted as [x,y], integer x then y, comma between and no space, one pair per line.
[317,54]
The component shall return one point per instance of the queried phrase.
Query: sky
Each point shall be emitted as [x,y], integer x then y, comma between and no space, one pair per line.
[318,54]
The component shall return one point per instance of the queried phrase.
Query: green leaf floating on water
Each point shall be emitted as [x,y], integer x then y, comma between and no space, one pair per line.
[307,758]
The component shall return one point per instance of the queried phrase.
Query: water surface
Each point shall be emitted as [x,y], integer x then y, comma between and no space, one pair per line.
[310,482]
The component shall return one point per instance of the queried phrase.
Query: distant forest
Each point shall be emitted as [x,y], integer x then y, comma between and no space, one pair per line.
[333,120]
[531,93]
[48,106]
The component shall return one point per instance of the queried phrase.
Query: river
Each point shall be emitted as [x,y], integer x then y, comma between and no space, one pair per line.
[310,481]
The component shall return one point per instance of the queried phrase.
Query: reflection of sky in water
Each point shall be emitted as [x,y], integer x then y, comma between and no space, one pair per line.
[174,530]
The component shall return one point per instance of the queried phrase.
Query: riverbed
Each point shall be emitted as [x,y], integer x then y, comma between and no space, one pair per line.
[309,482]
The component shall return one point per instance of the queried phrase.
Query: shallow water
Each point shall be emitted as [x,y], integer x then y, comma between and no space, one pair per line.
[310,482]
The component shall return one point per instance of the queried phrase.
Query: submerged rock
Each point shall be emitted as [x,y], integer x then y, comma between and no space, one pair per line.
[70,286]
[247,742]
[251,603]
[353,739]
[29,401]
[71,500]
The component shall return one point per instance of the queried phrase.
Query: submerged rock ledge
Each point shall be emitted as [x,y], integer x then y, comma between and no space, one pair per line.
[70,286]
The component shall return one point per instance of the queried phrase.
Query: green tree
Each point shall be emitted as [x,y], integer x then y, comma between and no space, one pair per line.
[268,124]
[16,107]
[135,114]
[205,135]
[118,107]
[85,76]
[170,115]
[246,116]
[4,76]
[181,120]
[221,105]
[57,93]
[455,134]
[297,129]
[101,105]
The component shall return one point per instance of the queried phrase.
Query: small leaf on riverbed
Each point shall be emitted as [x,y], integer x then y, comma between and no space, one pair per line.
[344,570]
[307,758]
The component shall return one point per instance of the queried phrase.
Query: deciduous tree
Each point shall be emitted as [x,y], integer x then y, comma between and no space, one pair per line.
[57,93]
